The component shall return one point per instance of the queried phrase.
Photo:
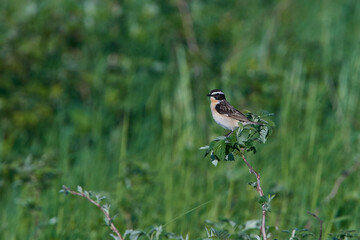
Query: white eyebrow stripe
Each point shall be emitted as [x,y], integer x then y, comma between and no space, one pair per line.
[217,93]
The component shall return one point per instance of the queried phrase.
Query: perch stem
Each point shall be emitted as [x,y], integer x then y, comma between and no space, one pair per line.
[261,193]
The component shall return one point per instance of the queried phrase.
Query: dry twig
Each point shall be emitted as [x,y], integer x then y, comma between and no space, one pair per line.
[320,221]
[261,193]
[106,212]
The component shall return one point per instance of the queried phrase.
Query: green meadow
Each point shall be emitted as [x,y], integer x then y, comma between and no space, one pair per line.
[111,95]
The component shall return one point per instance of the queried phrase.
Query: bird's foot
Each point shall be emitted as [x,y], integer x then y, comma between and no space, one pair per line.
[227,135]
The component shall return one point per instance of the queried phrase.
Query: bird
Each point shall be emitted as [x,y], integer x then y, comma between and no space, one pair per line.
[225,114]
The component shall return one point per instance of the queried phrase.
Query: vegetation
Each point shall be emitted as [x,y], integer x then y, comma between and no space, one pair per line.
[111,96]
[237,143]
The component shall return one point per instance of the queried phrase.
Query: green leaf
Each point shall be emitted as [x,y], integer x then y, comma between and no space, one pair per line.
[65,191]
[252,149]
[263,134]
[265,202]
[213,159]
[114,237]
[262,200]
[221,234]
[79,189]
[86,193]
[107,222]
[241,140]
[133,234]
[99,198]
[245,140]
[219,149]
[204,147]
[250,127]
[264,114]
[207,148]
[253,184]
[220,138]
[269,122]
[230,157]
[212,156]
[231,139]
[212,144]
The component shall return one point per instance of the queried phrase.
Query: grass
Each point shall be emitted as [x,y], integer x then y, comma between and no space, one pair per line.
[132,130]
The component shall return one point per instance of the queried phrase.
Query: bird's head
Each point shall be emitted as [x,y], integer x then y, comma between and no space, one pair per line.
[216,95]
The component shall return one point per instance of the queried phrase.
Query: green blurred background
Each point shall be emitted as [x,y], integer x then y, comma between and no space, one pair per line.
[111,95]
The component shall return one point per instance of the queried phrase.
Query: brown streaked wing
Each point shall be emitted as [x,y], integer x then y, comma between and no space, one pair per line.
[225,108]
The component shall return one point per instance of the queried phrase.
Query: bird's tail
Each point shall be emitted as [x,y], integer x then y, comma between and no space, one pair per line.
[253,123]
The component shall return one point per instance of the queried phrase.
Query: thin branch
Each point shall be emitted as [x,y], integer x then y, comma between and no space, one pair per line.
[320,221]
[261,193]
[340,179]
[106,212]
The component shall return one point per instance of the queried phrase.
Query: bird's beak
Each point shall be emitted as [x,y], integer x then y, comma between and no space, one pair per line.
[209,95]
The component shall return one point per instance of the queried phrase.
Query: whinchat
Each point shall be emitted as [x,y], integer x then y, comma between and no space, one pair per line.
[225,114]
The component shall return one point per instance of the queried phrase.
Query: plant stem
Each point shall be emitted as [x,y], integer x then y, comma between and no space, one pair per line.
[106,213]
[340,179]
[261,193]
[320,222]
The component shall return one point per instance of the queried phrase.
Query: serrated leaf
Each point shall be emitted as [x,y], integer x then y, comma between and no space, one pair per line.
[241,140]
[219,149]
[263,134]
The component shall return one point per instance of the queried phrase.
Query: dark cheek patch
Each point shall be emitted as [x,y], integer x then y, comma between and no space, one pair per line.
[220,97]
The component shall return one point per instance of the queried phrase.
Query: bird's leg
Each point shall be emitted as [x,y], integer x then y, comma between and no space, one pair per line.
[227,135]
